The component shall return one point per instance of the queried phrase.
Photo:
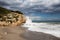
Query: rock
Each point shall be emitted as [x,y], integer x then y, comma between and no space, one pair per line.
[11,18]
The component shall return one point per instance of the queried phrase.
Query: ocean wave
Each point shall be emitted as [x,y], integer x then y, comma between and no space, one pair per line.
[49,28]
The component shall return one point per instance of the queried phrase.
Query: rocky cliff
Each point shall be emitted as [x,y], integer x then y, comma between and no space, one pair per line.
[11,18]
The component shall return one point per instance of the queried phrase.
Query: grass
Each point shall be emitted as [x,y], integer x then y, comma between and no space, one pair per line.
[4,11]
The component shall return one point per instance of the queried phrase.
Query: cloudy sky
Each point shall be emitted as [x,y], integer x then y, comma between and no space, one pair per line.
[36,9]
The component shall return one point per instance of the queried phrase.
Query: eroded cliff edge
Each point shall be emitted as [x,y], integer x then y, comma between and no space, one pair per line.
[11,18]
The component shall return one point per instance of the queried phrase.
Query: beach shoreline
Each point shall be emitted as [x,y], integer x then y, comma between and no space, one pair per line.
[21,33]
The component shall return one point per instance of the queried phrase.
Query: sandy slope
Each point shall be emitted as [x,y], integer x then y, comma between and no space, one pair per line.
[11,33]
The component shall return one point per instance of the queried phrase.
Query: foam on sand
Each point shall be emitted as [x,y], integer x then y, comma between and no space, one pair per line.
[53,29]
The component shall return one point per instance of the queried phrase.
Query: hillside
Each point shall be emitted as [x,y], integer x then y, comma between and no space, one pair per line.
[9,17]
[4,11]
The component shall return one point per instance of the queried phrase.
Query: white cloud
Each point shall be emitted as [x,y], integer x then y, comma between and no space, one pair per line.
[31,3]
[12,1]
[41,2]
[34,2]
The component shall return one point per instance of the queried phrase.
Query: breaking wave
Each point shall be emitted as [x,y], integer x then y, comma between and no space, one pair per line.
[53,29]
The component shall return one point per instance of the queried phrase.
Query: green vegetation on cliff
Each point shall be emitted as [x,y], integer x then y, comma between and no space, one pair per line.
[4,11]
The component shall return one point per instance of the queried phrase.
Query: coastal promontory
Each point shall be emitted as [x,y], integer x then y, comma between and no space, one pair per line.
[11,18]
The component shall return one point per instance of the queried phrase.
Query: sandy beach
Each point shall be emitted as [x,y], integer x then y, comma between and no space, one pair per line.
[19,33]
[29,35]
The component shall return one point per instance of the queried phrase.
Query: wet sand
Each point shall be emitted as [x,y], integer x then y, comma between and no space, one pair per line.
[29,35]
[19,33]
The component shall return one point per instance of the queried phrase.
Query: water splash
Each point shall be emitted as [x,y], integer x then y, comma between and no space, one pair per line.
[53,29]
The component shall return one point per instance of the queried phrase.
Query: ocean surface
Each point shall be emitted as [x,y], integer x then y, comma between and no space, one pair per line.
[52,28]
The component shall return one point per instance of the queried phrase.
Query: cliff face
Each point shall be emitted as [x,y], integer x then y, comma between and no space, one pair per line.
[11,18]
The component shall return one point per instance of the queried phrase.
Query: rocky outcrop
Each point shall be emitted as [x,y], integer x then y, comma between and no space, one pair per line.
[11,18]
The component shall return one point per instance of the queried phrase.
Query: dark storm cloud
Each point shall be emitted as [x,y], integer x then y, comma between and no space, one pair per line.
[2,3]
[56,5]
[47,6]
[55,8]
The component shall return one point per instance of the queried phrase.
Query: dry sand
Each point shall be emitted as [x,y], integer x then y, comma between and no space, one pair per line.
[19,33]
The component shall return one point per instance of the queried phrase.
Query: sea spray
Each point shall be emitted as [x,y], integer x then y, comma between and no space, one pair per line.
[53,29]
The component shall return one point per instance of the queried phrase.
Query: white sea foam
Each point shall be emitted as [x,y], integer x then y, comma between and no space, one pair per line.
[53,29]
